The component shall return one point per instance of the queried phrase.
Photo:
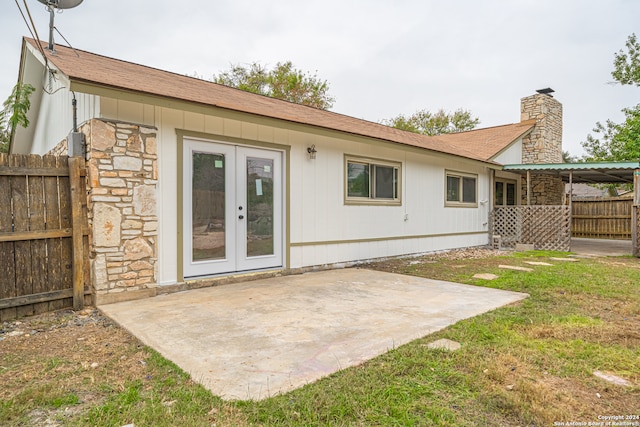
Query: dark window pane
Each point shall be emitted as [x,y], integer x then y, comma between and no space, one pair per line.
[357,180]
[453,189]
[468,190]
[384,182]
[511,194]
[499,196]
[395,182]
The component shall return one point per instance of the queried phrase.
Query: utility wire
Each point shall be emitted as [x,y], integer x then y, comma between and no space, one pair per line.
[25,21]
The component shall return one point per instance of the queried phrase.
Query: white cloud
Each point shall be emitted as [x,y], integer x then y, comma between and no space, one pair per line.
[381,58]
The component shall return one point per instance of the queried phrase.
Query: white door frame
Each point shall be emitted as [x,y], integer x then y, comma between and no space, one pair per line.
[235,259]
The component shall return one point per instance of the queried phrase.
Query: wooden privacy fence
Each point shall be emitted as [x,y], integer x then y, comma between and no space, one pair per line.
[602,218]
[545,227]
[44,259]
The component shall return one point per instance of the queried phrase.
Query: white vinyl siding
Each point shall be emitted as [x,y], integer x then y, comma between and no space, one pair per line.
[322,229]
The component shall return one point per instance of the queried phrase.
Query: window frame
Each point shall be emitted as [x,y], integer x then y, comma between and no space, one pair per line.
[505,182]
[371,199]
[461,176]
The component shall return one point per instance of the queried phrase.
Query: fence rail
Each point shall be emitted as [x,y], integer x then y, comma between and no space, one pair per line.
[43,232]
[602,218]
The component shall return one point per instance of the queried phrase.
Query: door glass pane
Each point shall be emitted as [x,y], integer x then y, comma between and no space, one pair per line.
[208,207]
[259,216]
[499,199]
[511,194]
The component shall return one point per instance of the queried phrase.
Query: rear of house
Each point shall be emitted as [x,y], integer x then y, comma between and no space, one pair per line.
[189,179]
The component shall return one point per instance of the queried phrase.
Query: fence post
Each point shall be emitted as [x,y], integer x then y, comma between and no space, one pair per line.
[75,164]
[635,221]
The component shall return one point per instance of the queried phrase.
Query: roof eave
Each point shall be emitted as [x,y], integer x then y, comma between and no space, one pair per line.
[100,89]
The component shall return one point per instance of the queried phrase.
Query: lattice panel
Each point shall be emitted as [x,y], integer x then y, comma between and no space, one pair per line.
[546,227]
[506,222]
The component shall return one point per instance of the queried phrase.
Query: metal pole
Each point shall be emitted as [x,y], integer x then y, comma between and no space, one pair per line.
[51,26]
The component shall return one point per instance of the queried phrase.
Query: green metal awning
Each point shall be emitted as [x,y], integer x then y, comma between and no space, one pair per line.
[591,173]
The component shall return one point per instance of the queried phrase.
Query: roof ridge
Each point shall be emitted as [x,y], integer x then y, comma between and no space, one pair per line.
[523,122]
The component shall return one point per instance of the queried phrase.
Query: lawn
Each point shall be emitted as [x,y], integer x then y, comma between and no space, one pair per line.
[527,364]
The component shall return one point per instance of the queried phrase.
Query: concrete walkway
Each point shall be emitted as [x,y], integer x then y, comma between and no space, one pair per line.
[255,339]
[601,247]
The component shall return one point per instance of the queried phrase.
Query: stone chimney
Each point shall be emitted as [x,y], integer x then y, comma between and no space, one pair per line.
[543,145]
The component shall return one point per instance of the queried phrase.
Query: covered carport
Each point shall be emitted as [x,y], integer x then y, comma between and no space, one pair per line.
[590,173]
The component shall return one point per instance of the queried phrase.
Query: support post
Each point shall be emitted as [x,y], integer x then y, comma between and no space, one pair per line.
[635,233]
[75,164]
[528,188]
[570,206]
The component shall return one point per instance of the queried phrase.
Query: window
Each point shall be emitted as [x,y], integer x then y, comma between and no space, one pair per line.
[372,181]
[505,193]
[462,189]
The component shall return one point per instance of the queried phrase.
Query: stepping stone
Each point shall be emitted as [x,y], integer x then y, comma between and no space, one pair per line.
[445,344]
[485,276]
[564,259]
[612,379]
[514,267]
[537,263]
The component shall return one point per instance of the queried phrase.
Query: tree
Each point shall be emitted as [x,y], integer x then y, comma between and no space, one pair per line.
[428,123]
[627,64]
[283,82]
[568,158]
[619,141]
[14,113]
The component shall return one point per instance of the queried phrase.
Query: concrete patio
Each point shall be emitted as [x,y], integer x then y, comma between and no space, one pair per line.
[601,247]
[256,339]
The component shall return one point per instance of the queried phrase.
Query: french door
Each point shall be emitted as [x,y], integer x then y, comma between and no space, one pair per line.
[232,213]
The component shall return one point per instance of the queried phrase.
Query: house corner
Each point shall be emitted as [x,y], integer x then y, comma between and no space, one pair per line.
[122,180]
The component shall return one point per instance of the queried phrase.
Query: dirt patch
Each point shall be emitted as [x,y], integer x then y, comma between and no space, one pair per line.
[59,360]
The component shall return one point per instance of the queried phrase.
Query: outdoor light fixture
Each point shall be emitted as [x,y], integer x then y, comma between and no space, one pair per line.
[312,151]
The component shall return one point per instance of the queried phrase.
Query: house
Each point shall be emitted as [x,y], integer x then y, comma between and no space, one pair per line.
[583,191]
[189,179]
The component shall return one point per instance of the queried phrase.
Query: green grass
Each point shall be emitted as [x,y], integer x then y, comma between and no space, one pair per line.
[529,363]
[165,397]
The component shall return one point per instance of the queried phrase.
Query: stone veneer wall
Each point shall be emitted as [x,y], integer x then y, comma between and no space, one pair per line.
[122,175]
[543,145]
[123,178]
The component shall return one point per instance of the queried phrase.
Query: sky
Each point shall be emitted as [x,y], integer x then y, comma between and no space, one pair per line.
[380,58]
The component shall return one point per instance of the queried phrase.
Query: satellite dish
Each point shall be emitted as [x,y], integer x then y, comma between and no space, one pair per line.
[61,4]
[52,5]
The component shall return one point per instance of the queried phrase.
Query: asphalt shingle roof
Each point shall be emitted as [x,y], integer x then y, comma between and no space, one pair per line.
[86,67]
